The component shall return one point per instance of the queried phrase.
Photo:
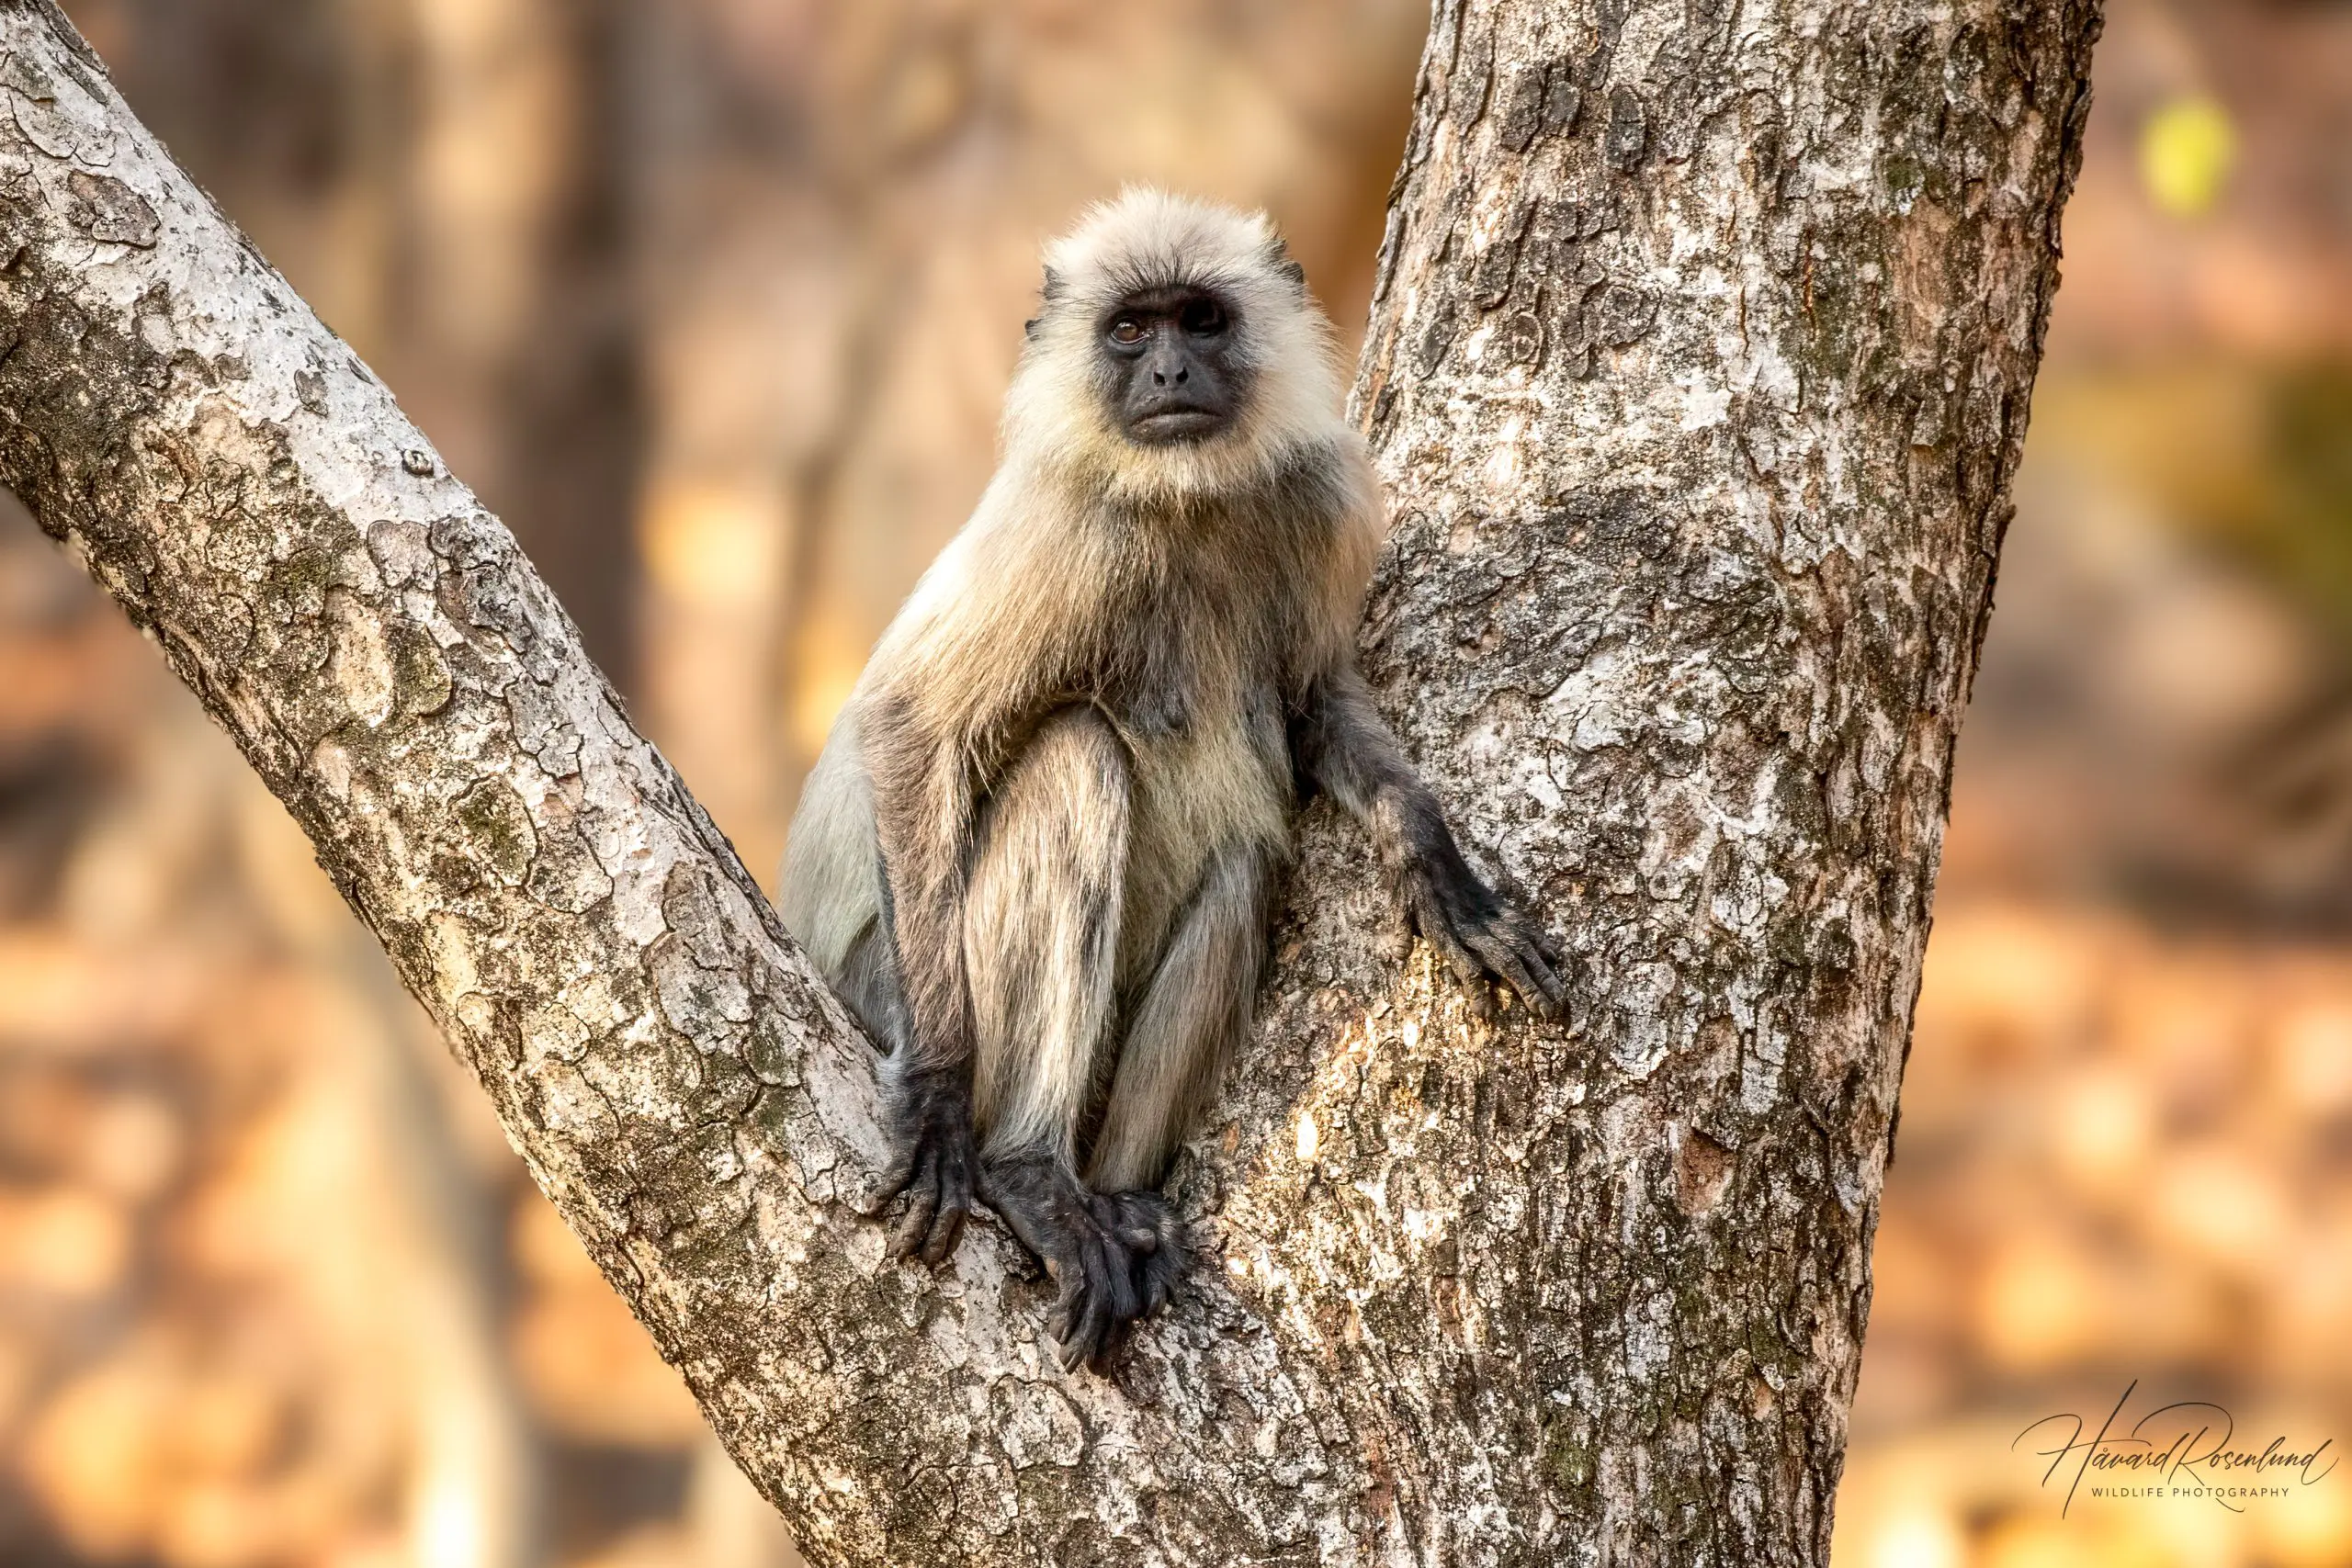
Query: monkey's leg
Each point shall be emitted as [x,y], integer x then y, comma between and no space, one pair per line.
[1185,1029]
[1041,938]
[1041,933]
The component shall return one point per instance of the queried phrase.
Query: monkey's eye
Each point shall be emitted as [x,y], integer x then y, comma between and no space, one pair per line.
[1202,318]
[1126,329]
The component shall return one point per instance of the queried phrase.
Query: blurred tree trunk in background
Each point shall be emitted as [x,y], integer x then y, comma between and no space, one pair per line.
[512,282]
[759,284]
[1701,362]
[444,178]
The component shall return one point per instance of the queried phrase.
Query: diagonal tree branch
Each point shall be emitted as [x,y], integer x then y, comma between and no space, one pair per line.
[1699,370]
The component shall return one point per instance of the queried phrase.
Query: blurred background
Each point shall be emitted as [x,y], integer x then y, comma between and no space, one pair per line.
[713,301]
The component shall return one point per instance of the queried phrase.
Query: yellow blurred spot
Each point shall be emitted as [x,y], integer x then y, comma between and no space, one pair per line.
[546,1249]
[714,546]
[212,1525]
[66,1241]
[93,1461]
[2103,1127]
[2038,1302]
[829,655]
[2072,1543]
[1307,1139]
[2311,1058]
[2219,1202]
[1918,1539]
[2310,1528]
[2187,151]
[225,1427]
[592,1374]
[131,1147]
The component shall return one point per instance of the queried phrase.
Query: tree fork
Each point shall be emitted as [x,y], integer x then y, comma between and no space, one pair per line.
[1698,370]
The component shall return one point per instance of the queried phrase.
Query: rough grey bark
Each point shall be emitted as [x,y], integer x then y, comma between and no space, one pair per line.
[1699,370]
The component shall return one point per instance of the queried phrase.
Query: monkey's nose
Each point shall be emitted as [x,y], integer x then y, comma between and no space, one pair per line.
[1160,378]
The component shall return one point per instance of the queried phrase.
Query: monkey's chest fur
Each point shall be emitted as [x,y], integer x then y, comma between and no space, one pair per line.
[1191,664]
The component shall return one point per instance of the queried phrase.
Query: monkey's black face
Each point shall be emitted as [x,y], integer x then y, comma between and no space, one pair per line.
[1169,370]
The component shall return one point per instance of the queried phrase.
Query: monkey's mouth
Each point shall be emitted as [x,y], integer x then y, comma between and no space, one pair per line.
[1166,427]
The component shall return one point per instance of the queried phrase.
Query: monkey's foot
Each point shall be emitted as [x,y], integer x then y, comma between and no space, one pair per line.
[932,1120]
[1117,1255]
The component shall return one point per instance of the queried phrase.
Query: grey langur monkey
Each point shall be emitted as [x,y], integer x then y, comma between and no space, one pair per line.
[1038,855]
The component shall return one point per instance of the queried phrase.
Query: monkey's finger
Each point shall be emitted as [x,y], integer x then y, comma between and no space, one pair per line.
[1136,1219]
[1065,1311]
[955,1202]
[1545,967]
[1429,919]
[1159,1284]
[1092,1329]
[1513,959]
[1544,958]
[945,1227]
[907,1240]
[893,1180]
[1113,1295]
[1086,1343]
[1067,1349]
[923,1204]
[1467,966]
[1125,1295]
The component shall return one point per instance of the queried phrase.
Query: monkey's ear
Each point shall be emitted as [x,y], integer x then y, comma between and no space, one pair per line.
[1278,257]
[1053,287]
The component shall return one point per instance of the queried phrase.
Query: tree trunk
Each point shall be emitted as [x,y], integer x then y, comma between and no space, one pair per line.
[1698,368]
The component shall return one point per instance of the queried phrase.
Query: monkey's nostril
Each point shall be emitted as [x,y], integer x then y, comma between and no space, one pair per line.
[1184,375]
[1160,378]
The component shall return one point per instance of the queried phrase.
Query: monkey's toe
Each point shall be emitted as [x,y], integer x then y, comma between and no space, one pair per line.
[934,1172]
[1157,1253]
[1114,1256]
[936,1204]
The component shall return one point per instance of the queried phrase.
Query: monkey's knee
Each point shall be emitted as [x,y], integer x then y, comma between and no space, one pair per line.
[1041,931]
[1055,825]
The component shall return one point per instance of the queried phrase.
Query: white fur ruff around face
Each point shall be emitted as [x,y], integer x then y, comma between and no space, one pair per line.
[1149,239]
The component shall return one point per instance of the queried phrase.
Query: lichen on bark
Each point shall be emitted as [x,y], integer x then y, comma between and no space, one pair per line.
[1697,371]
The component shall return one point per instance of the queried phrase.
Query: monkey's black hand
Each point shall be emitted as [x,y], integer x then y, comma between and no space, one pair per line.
[1117,1255]
[931,1115]
[1477,931]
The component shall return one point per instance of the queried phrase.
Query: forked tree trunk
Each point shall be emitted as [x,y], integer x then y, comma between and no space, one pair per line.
[1700,366]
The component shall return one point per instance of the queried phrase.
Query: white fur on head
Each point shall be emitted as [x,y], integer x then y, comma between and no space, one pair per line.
[1149,239]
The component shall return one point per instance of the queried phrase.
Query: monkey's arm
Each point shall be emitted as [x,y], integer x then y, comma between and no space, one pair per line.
[923,807]
[1340,743]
